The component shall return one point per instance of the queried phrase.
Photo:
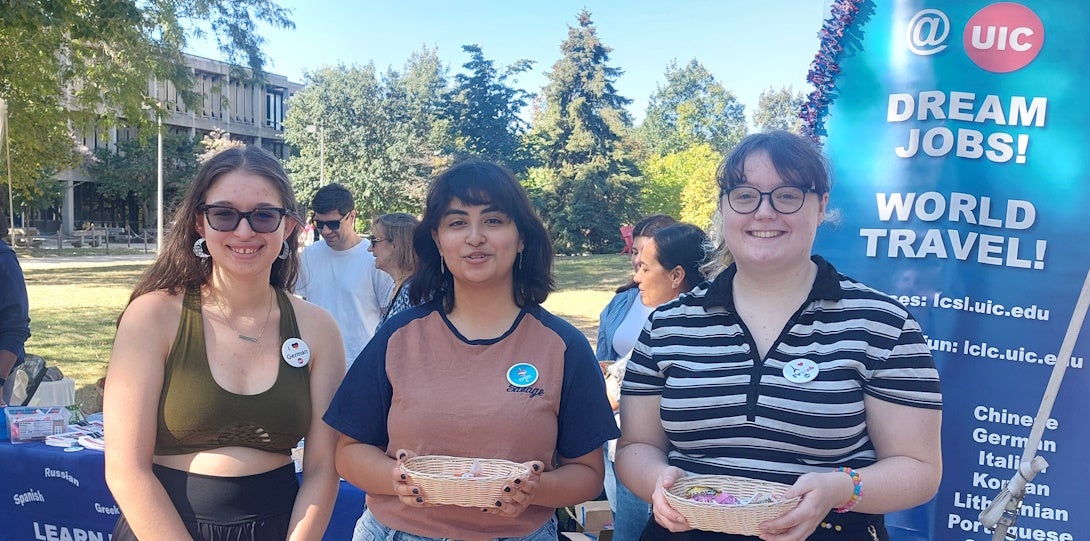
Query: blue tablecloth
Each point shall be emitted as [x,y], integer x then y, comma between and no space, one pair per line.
[52,495]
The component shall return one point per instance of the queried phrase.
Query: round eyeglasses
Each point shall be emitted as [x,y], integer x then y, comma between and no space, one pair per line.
[225,218]
[784,199]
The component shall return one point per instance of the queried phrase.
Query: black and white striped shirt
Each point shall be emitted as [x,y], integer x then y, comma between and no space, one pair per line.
[725,411]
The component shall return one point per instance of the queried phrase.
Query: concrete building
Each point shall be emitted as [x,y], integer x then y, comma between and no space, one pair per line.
[251,114]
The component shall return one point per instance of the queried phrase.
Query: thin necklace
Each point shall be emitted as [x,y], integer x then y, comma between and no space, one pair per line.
[243,336]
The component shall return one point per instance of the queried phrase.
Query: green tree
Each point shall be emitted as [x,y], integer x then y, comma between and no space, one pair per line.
[383,138]
[213,143]
[129,175]
[682,184]
[587,183]
[484,110]
[692,108]
[72,63]
[779,110]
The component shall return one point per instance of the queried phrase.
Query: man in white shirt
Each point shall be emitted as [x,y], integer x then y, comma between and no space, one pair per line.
[339,274]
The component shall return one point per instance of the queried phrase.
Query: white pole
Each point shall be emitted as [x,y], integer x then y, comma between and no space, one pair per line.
[159,187]
[321,151]
[5,134]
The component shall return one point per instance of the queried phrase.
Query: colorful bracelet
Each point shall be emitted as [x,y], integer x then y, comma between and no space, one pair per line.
[857,491]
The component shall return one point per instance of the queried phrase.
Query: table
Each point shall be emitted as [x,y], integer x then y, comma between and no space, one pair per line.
[52,495]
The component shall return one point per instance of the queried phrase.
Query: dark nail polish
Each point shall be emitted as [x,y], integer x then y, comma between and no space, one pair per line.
[536,467]
[416,491]
[507,489]
[499,503]
[403,477]
[419,500]
[402,455]
[518,481]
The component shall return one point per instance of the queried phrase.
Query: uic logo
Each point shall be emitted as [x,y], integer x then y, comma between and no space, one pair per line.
[1000,38]
[1004,37]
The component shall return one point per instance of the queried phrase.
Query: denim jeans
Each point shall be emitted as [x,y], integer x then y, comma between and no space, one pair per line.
[630,513]
[368,528]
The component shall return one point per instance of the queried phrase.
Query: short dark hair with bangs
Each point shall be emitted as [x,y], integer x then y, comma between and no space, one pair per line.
[797,160]
[478,182]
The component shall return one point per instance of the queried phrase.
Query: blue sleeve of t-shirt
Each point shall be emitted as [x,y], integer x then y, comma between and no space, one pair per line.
[585,421]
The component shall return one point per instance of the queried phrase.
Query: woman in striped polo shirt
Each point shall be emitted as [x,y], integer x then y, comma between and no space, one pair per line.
[782,369]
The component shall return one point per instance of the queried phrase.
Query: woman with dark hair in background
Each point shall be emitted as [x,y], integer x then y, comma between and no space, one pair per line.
[391,242]
[217,372]
[618,327]
[782,369]
[480,370]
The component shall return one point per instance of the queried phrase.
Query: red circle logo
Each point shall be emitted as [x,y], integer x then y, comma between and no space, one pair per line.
[1004,37]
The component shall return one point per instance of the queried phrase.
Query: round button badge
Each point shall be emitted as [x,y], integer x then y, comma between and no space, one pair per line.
[800,371]
[522,374]
[295,352]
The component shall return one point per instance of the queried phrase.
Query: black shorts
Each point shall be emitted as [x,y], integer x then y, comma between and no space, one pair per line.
[835,527]
[252,507]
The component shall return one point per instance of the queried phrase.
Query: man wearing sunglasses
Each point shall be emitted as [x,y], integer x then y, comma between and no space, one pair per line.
[338,272]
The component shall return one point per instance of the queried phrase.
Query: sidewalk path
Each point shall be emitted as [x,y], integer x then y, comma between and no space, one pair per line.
[29,263]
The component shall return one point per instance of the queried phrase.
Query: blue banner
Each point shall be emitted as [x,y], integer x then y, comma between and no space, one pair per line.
[957,136]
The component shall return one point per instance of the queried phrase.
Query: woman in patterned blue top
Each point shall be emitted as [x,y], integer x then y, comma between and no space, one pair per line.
[782,369]
[392,244]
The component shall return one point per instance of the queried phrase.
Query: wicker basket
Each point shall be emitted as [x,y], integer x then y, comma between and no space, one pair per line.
[440,477]
[733,519]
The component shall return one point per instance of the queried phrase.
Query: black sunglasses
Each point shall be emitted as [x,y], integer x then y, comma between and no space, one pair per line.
[333,225]
[261,220]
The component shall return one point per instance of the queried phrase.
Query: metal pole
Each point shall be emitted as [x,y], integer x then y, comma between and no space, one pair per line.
[5,132]
[11,200]
[321,151]
[159,186]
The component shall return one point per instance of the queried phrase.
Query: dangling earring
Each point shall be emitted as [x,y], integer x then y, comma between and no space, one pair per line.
[285,250]
[199,249]
[520,260]
[442,268]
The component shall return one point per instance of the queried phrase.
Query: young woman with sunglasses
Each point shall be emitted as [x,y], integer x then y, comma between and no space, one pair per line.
[481,370]
[782,369]
[217,373]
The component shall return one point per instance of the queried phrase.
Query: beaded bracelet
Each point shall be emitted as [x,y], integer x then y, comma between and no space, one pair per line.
[857,491]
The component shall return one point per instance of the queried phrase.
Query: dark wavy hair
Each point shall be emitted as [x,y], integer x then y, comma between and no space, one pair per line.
[646,227]
[478,182]
[797,160]
[683,245]
[177,268]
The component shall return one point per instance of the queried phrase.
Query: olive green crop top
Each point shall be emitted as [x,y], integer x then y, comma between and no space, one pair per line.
[196,414]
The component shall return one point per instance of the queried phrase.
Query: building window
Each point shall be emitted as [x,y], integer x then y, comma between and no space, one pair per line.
[274,110]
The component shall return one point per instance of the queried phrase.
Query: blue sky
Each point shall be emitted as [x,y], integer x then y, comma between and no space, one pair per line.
[749,46]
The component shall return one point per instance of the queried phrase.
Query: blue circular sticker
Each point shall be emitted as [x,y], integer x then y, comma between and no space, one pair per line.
[522,375]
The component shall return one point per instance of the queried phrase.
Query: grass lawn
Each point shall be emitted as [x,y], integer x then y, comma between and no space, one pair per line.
[73,310]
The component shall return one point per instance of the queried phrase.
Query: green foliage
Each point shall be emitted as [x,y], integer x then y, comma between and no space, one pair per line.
[484,111]
[213,143]
[692,108]
[589,182]
[129,176]
[382,138]
[682,184]
[63,62]
[779,110]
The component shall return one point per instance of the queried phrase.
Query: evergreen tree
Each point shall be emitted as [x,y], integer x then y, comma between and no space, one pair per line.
[484,111]
[587,183]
